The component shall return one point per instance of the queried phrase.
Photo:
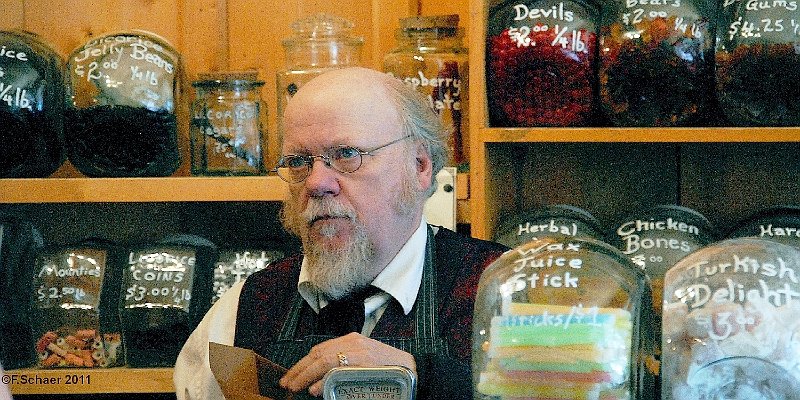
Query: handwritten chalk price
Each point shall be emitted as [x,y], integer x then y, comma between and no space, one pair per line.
[15,97]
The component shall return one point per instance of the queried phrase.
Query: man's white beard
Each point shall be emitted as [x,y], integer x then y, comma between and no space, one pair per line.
[335,271]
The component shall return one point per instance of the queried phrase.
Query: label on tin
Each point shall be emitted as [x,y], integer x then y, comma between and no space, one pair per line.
[378,383]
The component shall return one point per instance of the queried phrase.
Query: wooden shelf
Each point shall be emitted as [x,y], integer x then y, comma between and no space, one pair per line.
[127,190]
[91,381]
[639,135]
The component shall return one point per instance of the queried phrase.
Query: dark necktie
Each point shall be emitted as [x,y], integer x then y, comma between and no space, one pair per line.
[346,315]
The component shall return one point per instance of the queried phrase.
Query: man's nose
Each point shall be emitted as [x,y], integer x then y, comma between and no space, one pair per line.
[322,179]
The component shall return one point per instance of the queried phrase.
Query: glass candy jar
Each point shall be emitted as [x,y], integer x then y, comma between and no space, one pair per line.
[225,131]
[559,221]
[31,106]
[656,62]
[76,297]
[731,317]
[561,318]
[431,58]
[236,264]
[779,223]
[758,63]
[166,291]
[122,91]
[540,63]
[20,244]
[319,43]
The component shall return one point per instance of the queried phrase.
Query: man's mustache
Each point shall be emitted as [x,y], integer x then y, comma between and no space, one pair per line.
[318,209]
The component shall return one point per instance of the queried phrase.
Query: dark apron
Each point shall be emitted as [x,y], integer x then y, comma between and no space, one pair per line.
[289,349]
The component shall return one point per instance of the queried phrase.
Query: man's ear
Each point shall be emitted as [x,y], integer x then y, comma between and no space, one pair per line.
[424,168]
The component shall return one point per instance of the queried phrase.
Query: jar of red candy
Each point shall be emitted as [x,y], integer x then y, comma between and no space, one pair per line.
[540,63]
[758,62]
[656,62]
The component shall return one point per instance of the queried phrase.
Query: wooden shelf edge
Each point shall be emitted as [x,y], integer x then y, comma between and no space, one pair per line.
[127,190]
[640,135]
[90,381]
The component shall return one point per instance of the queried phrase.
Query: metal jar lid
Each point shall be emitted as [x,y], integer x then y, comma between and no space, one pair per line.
[559,220]
[779,223]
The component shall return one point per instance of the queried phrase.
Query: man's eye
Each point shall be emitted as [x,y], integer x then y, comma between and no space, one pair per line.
[294,162]
[346,153]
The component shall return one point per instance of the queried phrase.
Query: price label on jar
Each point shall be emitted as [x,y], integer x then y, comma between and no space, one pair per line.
[20,77]
[235,266]
[753,20]
[128,70]
[70,279]
[159,278]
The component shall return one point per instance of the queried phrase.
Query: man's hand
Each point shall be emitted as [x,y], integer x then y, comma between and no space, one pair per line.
[360,351]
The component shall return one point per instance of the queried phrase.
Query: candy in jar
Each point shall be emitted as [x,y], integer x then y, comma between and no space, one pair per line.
[561,319]
[730,321]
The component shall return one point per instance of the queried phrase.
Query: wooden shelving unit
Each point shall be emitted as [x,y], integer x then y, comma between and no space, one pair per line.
[126,190]
[726,173]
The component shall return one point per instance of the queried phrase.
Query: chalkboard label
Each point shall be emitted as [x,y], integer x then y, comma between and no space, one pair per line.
[159,278]
[70,279]
[235,266]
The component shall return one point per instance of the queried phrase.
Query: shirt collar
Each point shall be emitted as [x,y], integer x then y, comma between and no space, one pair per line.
[401,278]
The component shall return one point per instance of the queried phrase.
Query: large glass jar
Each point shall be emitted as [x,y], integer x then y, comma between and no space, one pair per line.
[758,63]
[558,220]
[237,263]
[31,106]
[319,43]
[562,319]
[76,297]
[431,58]
[20,243]
[122,92]
[225,132]
[540,62]
[731,322]
[779,223]
[166,291]
[656,62]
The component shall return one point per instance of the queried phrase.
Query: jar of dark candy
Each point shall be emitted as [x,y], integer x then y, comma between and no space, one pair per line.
[20,244]
[731,317]
[31,106]
[758,62]
[431,58]
[76,297]
[225,131]
[122,92]
[166,291]
[558,220]
[561,319]
[540,62]
[656,62]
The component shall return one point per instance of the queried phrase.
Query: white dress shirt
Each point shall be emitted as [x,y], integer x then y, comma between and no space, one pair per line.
[400,279]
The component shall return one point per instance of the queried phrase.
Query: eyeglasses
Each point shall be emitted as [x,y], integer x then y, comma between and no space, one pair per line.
[295,168]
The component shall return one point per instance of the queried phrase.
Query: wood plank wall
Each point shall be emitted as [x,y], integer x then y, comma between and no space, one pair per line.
[215,35]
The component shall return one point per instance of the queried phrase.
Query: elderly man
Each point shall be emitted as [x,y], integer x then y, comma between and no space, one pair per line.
[375,285]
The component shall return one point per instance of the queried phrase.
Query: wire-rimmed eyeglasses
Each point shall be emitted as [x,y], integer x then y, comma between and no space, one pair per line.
[295,168]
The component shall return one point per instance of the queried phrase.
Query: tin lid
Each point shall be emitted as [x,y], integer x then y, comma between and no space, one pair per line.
[384,382]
